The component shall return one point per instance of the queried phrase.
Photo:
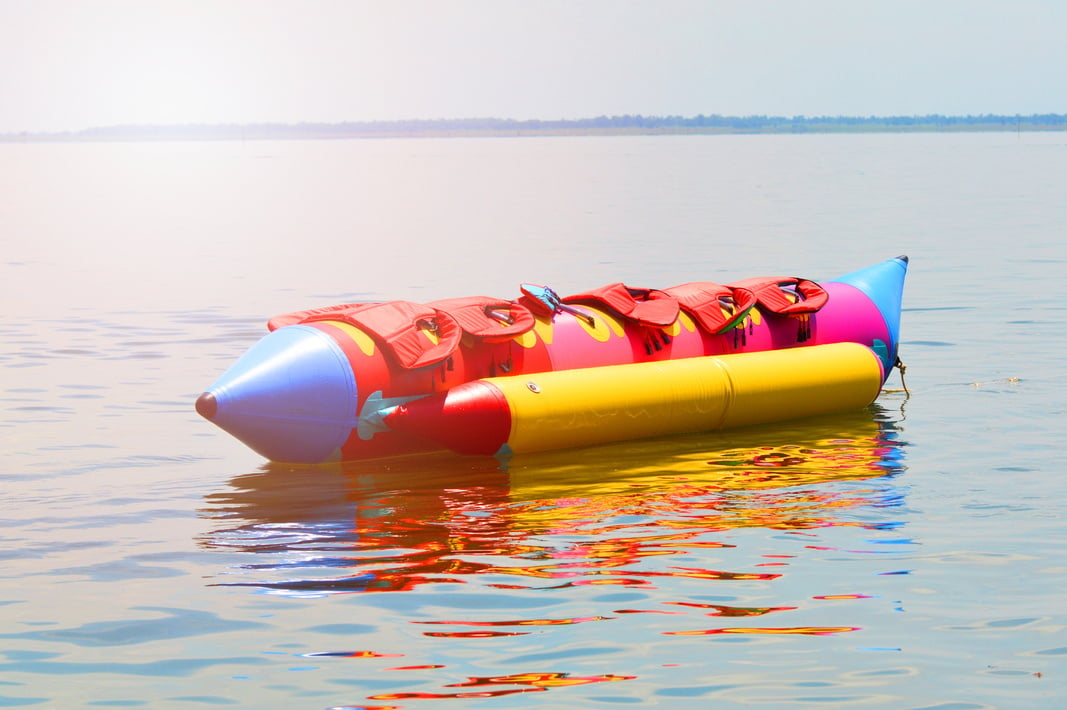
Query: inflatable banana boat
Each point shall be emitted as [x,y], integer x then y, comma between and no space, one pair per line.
[489,376]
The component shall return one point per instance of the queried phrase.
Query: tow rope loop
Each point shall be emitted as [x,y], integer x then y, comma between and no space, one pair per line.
[899,364]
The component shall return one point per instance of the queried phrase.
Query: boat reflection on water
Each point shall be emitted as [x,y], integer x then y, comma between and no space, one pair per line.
[566,518]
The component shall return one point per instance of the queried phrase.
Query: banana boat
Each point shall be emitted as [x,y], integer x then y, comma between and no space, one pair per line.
[489,376]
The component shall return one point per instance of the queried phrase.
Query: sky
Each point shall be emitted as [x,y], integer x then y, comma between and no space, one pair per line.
[73,64]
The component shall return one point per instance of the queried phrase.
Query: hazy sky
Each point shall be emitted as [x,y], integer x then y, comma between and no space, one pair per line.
[72,64]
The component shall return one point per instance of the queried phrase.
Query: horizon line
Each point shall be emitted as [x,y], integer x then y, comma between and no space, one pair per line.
[663,119]
[625,124]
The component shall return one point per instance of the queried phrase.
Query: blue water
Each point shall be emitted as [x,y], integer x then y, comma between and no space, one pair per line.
[908,556]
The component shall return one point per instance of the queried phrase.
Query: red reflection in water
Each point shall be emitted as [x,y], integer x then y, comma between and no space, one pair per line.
[776,460]
[545,680]
[355,654]
[843,596]
[592,568]
[696,573]
[521,622]
[536,682]
[806,630]
[473,634]
[443,696]
[721,610]
[619,581]
[415,668]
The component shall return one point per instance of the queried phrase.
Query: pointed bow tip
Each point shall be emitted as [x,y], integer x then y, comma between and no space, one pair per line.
[206,406]
[903,257]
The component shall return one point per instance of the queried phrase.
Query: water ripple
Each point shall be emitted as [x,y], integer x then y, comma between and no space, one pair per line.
[172,624]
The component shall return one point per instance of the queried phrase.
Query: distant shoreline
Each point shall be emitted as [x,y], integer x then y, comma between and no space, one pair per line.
[601,126]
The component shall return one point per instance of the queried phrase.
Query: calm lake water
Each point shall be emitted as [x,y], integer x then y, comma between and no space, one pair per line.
[909,556]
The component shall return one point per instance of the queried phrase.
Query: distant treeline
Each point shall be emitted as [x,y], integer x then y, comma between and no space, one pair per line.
[713,123]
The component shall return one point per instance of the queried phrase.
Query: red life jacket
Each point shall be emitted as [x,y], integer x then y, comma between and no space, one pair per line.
[704,301]
[786,295]
[490,319]
[415,334]
[646,306]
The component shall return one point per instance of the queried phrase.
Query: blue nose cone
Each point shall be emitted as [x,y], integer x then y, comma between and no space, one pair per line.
[884,285]
[290,398]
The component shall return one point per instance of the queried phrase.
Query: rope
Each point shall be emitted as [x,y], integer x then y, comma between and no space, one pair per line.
[899,364]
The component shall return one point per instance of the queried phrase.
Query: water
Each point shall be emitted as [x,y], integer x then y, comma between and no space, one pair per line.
[910,556]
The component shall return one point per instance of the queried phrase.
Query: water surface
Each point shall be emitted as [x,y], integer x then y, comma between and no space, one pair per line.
[908,556]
